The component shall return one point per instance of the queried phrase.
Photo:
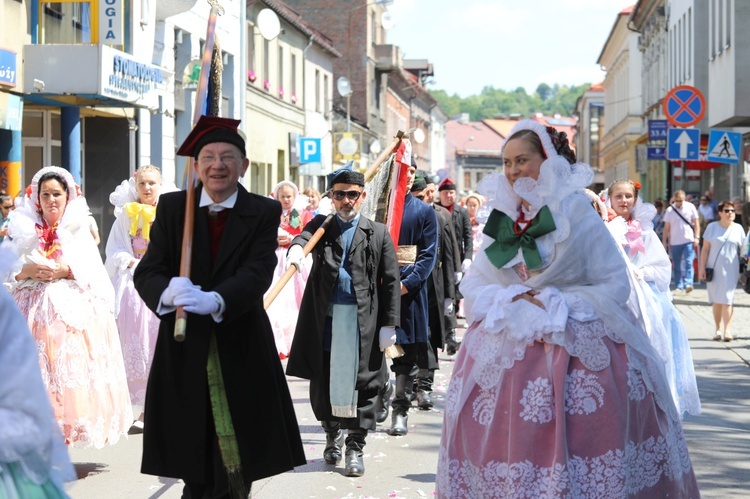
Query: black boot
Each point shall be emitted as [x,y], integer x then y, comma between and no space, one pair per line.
[401,405]
[334,442]
[355,444]
[399,424]
[451,345]
[384,402]
[424,388]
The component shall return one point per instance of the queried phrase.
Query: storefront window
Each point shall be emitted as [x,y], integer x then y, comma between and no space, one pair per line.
[65,22]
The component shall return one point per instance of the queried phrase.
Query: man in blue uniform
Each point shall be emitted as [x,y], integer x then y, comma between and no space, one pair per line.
[416,253]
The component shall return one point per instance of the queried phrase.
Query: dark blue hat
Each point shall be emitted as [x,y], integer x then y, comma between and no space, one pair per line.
[346,175]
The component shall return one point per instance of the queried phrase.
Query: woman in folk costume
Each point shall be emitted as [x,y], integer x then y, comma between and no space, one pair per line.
[61,287]
[284,310]
[33,458]
[556,392]
[651,269]
[135,208]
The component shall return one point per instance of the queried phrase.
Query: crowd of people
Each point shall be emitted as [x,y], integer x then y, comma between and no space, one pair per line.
[571,328]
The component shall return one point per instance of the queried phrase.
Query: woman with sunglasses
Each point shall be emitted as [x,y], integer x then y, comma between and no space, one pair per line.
[722,243]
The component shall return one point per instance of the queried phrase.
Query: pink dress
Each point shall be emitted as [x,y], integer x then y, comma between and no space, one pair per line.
[138,326]
[73,324]
[569,400]
[284,309]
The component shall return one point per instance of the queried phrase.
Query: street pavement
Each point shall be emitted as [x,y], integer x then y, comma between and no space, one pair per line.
[405,467]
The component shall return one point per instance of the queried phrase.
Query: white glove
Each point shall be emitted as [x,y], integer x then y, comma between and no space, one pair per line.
[465,265]
[448,307]
[195,301]
[387,337]
[176,285]
[459,275]
[295,256]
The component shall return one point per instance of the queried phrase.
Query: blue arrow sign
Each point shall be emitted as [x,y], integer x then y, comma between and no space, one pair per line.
[724,147]
[683,143]
[309,150]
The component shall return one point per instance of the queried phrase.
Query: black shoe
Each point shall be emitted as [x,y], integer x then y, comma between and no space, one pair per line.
[332,452]
[399,425]
[355,465]
[424,401]
[451,345]
[384,404]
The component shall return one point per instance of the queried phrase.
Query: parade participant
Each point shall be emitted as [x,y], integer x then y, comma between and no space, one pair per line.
[416,253]
[460,224]
[135,208]
[33,459]
[553,355]
[348,317]
[441,293]
[284,309]
[681,237]
[61,287]
[650,267]
[473,203]
[723,242]
[6,205]
[218,410]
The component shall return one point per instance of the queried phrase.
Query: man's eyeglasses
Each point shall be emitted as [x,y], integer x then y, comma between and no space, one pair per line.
[228,160]
[340,195]
[729,211]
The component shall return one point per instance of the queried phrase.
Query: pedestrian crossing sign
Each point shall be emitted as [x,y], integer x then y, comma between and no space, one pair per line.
[724,147]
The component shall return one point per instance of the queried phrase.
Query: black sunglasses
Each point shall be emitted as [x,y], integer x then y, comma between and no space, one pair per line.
[340,195]
[729,211]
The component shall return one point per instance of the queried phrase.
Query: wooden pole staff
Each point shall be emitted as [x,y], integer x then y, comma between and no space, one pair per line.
[200,100]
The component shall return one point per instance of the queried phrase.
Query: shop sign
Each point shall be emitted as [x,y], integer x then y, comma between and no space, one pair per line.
[124,78]
[7,68]
[110,22]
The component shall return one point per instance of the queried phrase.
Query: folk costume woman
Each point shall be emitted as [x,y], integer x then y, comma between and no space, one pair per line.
[61,287]
[555,391]
[651,270]
[135,209]
[284,310]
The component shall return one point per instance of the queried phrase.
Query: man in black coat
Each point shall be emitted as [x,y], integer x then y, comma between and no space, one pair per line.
[441,288]
[218,410]
[348,316]
[462,227]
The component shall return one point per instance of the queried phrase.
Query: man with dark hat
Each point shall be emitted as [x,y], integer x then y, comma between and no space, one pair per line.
[209,420]
[416,253]
[347,318]
[462,228]
[441,289]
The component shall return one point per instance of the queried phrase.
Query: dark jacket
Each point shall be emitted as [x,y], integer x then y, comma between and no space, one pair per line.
[419,227]
[374,272]
[177,403]
[443,282]
[462,230]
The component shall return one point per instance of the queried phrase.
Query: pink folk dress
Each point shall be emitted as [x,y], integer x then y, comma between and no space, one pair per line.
[137,324]
[569,400]
[73,324]
[284,310]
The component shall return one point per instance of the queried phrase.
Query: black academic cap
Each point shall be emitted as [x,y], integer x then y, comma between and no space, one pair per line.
[208,130]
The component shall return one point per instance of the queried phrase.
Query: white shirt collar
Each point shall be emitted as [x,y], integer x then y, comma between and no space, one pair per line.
[207,201]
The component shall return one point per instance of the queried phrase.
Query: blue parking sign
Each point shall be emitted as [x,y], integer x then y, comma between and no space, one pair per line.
[309,150]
